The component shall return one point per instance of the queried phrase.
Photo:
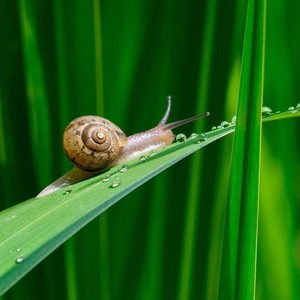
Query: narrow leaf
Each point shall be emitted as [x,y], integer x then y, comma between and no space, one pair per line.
[34,228]
[242,210]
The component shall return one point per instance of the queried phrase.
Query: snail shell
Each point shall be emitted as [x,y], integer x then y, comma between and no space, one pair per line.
[92,142]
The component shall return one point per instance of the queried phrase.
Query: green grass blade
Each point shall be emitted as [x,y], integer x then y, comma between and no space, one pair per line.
[247,256]
[242,209]
[34,228]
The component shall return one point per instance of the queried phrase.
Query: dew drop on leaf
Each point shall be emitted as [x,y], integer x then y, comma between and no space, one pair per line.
[266,111]
[106,178]
[224,124]
[193,135]
[180,138]
[124,169]
[142,158]
[20,258]
[202,137]
[292,109]
[116,181]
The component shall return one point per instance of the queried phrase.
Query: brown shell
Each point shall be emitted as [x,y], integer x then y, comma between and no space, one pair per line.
[92,142]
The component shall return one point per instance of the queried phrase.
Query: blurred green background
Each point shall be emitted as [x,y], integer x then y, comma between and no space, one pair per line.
[121,59]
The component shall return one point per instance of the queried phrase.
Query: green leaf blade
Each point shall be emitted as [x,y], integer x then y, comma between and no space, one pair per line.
[36,227]
[242,211]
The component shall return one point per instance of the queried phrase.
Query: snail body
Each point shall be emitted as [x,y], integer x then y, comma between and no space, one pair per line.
[95,144]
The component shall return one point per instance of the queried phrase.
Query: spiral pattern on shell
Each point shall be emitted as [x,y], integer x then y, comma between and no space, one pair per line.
[92,142]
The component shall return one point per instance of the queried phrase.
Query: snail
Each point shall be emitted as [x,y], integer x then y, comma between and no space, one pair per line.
[95,144]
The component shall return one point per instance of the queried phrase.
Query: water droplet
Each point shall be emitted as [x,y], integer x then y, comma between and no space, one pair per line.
[68,191]
[266,111]
[193,136]
[152,153]
[106,178]
[214,128]
[143,158]
[233,120]
[116,181]
[224,124]
[20,258]
[202,137]
[124,169]
[180,138]
[292,109]
[219,127]
[10,218]
[298,106]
